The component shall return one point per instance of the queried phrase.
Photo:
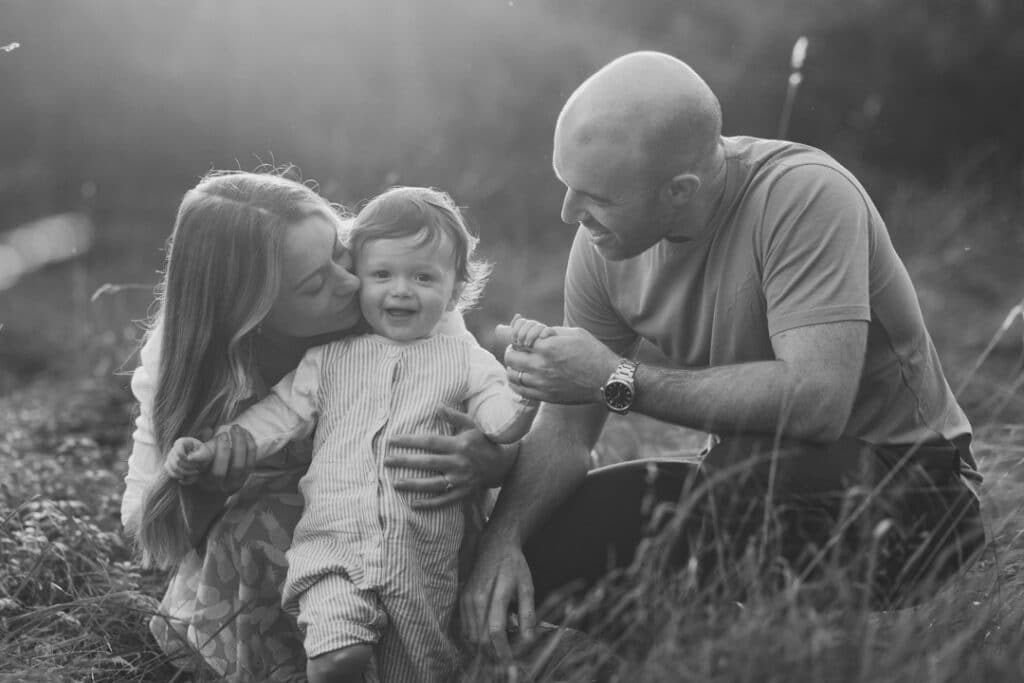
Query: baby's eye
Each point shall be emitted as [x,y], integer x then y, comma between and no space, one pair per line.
[380,274]
[424,277]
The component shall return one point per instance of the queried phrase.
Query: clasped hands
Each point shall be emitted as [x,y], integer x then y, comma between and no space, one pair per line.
[555,364]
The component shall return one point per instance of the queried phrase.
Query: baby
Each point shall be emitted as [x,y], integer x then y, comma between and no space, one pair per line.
[374,580]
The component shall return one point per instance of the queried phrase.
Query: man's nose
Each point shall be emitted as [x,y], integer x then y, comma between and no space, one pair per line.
[572,210]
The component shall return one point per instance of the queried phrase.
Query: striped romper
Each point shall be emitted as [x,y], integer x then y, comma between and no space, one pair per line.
[364,567]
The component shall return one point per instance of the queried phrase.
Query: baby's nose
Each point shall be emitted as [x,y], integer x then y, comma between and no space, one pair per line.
[400,287]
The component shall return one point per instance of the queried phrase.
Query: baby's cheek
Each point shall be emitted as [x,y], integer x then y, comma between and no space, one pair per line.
[366,296]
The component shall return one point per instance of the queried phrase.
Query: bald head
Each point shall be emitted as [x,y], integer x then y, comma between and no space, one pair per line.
[649,108]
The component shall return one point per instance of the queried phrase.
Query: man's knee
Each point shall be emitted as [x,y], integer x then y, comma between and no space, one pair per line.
[344,665]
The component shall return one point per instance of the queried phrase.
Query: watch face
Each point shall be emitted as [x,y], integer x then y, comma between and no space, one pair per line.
[618,395]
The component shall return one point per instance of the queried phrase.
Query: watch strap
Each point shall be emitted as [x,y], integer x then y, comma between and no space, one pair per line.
[625,371]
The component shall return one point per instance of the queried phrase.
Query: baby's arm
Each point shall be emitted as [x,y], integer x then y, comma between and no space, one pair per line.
[497,409]
[289,412]
[525,331]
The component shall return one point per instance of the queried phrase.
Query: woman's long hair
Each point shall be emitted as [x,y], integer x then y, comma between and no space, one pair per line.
[222,277]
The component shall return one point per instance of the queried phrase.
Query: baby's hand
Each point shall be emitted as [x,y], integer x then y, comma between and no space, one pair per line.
[187,459]
[526,332]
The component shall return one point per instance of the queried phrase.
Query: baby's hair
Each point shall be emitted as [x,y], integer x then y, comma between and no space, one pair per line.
[432,216]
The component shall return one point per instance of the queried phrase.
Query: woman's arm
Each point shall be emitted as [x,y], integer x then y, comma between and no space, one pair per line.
[144,461]
[200,506]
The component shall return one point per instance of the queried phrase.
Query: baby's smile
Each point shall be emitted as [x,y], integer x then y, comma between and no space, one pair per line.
[406,285]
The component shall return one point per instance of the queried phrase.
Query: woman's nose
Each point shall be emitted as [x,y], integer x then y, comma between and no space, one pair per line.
[345,282]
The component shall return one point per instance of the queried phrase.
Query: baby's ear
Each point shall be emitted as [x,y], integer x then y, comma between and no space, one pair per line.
[456,295]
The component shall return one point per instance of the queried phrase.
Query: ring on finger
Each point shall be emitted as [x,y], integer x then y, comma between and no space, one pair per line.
[448,485]
[519,377]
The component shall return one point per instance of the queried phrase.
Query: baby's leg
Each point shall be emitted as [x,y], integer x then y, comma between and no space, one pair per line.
[341,625]
[420,601]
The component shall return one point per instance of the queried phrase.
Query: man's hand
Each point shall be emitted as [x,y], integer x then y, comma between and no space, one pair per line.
[568,366]
[499,575]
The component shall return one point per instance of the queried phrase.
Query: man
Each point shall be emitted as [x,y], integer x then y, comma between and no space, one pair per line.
[764,272]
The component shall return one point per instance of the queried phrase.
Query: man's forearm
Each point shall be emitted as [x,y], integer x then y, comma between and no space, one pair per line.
[807,393]
[764,397]
[552,461]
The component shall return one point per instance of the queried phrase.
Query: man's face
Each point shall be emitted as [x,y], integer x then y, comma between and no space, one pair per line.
[610,193]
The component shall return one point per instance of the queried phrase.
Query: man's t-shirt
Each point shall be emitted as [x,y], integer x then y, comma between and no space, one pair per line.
[796,241]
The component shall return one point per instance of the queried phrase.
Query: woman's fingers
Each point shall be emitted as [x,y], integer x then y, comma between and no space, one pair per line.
[446,490]
[434,443]
[452,496]
[241,455]
[221,456]
[425,485]
[250,447]
[458,419]
[423,461]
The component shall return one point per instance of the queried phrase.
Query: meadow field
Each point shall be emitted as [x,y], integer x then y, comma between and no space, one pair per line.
[113,108]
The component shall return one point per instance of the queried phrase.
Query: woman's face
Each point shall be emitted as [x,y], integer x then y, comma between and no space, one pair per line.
[318,289]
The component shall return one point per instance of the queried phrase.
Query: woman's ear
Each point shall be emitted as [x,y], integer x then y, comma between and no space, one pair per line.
[456,295]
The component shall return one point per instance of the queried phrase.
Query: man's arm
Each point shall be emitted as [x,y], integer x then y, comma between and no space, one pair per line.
[807,392]
[553,459]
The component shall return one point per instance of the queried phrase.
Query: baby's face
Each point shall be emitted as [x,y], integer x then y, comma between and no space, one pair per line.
[406,287]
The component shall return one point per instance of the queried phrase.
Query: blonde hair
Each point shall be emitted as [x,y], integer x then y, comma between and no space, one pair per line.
[222,278]
[433,217]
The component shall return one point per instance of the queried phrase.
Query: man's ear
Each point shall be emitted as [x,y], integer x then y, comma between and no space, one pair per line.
[456,295]
[680,189]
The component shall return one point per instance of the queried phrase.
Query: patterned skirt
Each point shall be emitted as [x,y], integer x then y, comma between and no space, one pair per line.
[222,611]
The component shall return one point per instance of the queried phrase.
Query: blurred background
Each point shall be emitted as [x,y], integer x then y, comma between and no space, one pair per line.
[111,109]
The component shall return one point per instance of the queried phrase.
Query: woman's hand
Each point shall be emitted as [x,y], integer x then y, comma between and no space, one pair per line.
[462,463]
[234,457]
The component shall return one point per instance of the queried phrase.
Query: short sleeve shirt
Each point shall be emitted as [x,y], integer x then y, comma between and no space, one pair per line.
[796,241]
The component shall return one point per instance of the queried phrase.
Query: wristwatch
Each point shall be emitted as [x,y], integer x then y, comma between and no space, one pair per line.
[620,389]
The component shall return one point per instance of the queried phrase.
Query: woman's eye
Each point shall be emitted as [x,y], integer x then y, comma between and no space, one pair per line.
[313,290]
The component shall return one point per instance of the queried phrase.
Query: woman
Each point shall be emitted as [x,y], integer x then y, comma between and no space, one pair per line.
[256,274]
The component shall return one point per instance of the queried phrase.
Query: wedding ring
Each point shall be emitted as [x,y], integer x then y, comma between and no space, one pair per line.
[448,485]
[519,377]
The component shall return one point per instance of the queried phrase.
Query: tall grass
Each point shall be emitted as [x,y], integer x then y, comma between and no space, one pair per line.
[74,605]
